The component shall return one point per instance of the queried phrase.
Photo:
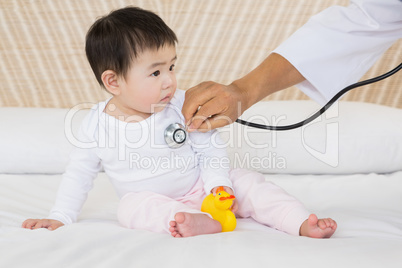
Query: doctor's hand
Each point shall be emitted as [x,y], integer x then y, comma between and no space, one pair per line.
[210,105]
[41,223]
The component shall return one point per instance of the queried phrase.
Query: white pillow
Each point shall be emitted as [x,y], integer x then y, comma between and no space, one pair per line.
[33,140]
[361,138]
[351,137]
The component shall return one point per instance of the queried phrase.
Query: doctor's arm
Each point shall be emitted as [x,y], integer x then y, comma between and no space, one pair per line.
[331,51]
[223,104]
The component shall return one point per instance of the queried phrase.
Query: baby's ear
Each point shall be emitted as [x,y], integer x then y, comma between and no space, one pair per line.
[111,82]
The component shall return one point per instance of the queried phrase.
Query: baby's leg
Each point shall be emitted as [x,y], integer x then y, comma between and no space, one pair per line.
[192,224]
[150,211]
[268,203]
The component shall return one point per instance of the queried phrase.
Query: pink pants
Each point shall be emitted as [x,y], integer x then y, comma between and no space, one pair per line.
[261,200]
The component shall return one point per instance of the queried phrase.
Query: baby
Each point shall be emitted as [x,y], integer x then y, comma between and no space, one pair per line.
[132,53]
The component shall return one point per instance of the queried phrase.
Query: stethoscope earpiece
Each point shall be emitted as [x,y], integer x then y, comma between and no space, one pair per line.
[175,135]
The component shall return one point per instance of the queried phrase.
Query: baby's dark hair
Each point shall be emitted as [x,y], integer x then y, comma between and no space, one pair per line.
[115,40]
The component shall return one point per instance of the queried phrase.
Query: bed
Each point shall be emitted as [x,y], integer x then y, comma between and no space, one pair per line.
[347,164]
[362,192]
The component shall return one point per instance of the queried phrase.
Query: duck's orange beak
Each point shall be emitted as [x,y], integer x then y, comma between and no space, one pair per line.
[226,198]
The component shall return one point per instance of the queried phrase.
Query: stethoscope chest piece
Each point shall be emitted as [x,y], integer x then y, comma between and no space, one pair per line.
[175,135]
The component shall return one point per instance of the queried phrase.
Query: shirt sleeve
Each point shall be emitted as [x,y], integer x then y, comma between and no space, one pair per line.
[78,179]
[212,159]
[210,152]
[336,47]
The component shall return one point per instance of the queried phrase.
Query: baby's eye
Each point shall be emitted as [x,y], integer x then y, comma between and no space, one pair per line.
[171,67]
[156,73]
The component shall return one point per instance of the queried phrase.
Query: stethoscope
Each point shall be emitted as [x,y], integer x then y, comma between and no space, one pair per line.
[176,133]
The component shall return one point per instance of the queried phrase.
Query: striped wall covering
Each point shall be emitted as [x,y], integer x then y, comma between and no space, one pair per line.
[43,63]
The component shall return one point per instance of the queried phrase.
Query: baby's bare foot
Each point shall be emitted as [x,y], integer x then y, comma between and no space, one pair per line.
[318,228]
[188,224]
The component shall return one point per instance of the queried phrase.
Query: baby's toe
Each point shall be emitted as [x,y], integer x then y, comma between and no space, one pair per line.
[176,234]
[323,223]
[333,224]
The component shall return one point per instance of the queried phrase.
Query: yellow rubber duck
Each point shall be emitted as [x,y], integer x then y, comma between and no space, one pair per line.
[218,207]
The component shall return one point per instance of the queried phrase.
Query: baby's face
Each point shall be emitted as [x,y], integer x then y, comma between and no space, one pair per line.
[150,83]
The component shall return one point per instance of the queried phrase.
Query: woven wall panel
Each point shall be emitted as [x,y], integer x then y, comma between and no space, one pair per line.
[43,62]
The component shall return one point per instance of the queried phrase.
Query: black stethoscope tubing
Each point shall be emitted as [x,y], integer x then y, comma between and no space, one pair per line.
[325,107]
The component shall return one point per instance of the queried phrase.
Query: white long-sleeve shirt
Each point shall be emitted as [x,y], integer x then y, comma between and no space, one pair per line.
[336,47]
[136,158]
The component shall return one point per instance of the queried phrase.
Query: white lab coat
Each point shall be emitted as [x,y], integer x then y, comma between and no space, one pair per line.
[336,47]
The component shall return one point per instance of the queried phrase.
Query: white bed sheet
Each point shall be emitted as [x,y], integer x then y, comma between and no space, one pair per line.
[368,209]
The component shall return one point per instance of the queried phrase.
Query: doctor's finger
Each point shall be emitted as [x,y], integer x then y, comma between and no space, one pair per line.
[205,124]
[212,123]
[197,96]
[210,116]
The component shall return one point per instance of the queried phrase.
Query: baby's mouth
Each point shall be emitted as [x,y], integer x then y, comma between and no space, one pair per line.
[165,99]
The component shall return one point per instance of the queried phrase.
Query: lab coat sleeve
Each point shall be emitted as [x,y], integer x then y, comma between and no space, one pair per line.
[336,47]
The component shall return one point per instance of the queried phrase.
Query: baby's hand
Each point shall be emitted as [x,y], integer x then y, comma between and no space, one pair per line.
[229,191]
[41,223]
